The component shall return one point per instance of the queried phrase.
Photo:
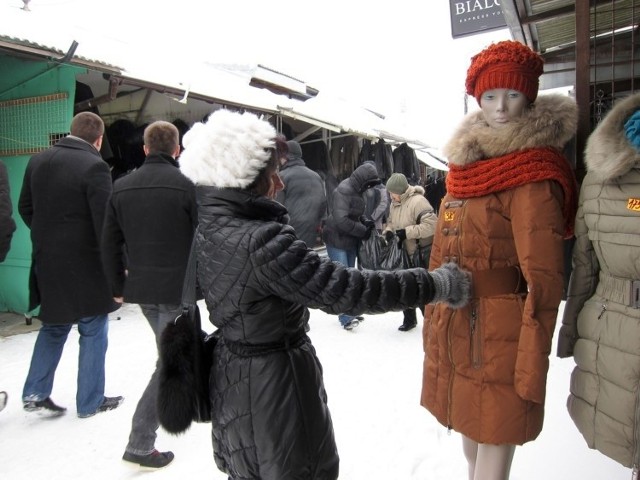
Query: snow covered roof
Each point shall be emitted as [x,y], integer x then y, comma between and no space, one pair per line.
[32,33]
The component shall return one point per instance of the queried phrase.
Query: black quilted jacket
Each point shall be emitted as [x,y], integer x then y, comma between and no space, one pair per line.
[270,414]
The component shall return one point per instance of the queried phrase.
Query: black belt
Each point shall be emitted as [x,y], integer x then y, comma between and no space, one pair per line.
[244,349]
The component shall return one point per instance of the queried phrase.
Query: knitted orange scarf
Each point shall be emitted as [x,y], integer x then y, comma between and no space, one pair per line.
[514,169]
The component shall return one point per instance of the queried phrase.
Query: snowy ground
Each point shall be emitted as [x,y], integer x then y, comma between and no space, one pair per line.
[372,377]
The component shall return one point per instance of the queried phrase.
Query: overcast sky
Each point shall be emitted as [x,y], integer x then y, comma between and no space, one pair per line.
[398,58]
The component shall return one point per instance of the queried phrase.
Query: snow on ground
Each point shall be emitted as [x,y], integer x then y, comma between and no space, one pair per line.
[372,376]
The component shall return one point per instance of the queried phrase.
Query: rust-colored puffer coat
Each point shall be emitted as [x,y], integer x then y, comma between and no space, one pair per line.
[485,365]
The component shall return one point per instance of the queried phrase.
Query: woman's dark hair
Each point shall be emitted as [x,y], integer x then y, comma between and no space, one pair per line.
[282,149]
[260,186]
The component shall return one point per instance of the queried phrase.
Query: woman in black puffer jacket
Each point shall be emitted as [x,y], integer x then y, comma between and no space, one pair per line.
[269,406]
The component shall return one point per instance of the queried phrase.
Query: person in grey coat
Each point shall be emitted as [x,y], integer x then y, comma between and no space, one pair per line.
[377,203]
[63,199]
[601,321]
[303,195]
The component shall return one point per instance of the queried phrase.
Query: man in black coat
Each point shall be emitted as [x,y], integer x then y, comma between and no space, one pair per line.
[303,195]
[7,224]
[7,227]
[151,216]
[63,199]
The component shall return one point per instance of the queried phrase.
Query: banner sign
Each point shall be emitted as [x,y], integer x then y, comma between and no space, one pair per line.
[475,16]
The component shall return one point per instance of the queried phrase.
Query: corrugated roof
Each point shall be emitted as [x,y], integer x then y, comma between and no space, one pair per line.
[549,26]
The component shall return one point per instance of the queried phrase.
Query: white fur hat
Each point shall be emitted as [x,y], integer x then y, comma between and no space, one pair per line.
[228,151]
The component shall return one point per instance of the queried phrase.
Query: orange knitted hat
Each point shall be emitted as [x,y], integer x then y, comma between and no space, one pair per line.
[507,64]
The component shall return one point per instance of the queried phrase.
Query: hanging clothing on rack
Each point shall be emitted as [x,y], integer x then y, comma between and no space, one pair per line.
[405,161]
[381,154]
[316,155]
[344,155]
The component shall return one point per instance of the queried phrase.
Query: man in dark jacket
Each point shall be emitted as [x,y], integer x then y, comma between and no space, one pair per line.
[151,215]
[347,225]
[303,195]
[63,199]
[7,224]
[7,227]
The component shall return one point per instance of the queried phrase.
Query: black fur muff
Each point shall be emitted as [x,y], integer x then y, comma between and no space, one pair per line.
[178,387]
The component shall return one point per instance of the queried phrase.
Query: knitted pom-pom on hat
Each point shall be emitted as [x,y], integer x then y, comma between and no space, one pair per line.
[508,64]
[228,150]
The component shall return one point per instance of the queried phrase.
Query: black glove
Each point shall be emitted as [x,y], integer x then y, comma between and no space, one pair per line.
[452,285]
[388,236]
[367,222]
[402,236]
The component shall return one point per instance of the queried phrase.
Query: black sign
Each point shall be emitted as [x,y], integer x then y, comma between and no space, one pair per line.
[475,16]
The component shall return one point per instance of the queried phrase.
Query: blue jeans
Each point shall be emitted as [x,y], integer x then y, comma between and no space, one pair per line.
[144,423]
[46,356]
[347,258]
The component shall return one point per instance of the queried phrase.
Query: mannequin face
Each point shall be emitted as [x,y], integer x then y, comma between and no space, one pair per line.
[502,105]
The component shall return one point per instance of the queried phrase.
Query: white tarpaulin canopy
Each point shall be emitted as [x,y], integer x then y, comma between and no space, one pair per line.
[432,158]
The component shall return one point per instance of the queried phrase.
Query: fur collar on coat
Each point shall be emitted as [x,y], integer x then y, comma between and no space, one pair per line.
[411,191]
[549,122]
[608,153]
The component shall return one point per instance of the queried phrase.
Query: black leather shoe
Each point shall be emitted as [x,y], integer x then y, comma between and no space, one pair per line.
[109,403]
[405,327]
[155,459]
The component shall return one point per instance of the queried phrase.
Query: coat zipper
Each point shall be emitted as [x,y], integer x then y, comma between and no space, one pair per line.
[453,370]
[475,338]
[636,440]
[604,309]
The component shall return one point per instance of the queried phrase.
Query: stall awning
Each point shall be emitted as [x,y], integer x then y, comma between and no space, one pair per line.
[432,159]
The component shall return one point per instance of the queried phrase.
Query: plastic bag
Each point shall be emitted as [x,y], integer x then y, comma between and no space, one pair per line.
[375,253]
[370,251]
